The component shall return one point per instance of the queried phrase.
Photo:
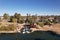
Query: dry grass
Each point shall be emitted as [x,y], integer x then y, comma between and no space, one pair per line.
[56,28]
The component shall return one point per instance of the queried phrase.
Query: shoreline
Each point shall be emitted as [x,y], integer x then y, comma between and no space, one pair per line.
[44,28]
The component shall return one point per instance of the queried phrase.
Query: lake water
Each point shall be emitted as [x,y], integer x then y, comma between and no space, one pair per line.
[38,35]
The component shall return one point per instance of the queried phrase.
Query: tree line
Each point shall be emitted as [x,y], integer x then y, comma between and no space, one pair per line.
[17,18]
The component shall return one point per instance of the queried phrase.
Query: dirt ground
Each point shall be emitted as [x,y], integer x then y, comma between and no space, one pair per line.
[55,28]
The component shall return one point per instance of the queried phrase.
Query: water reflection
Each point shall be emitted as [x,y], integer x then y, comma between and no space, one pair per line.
[38,35]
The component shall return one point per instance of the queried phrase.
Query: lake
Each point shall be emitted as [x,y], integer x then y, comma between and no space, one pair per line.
[38,35]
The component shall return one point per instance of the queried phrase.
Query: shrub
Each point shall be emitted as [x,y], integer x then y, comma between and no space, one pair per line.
[7,28]
[2,28]
[41,24]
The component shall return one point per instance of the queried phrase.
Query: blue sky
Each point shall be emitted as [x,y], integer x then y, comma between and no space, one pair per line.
[39,7]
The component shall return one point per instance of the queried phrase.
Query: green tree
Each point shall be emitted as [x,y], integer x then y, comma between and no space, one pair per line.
[17,16]
[21,19]
[55,20]
[11,17]
[6,16]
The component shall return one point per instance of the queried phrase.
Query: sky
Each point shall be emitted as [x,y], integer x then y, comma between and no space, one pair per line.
[39,7]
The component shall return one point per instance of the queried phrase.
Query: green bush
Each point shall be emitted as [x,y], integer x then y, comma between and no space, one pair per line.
[41,24]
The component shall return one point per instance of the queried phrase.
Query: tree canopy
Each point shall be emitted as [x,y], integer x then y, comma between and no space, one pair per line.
[6,16]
